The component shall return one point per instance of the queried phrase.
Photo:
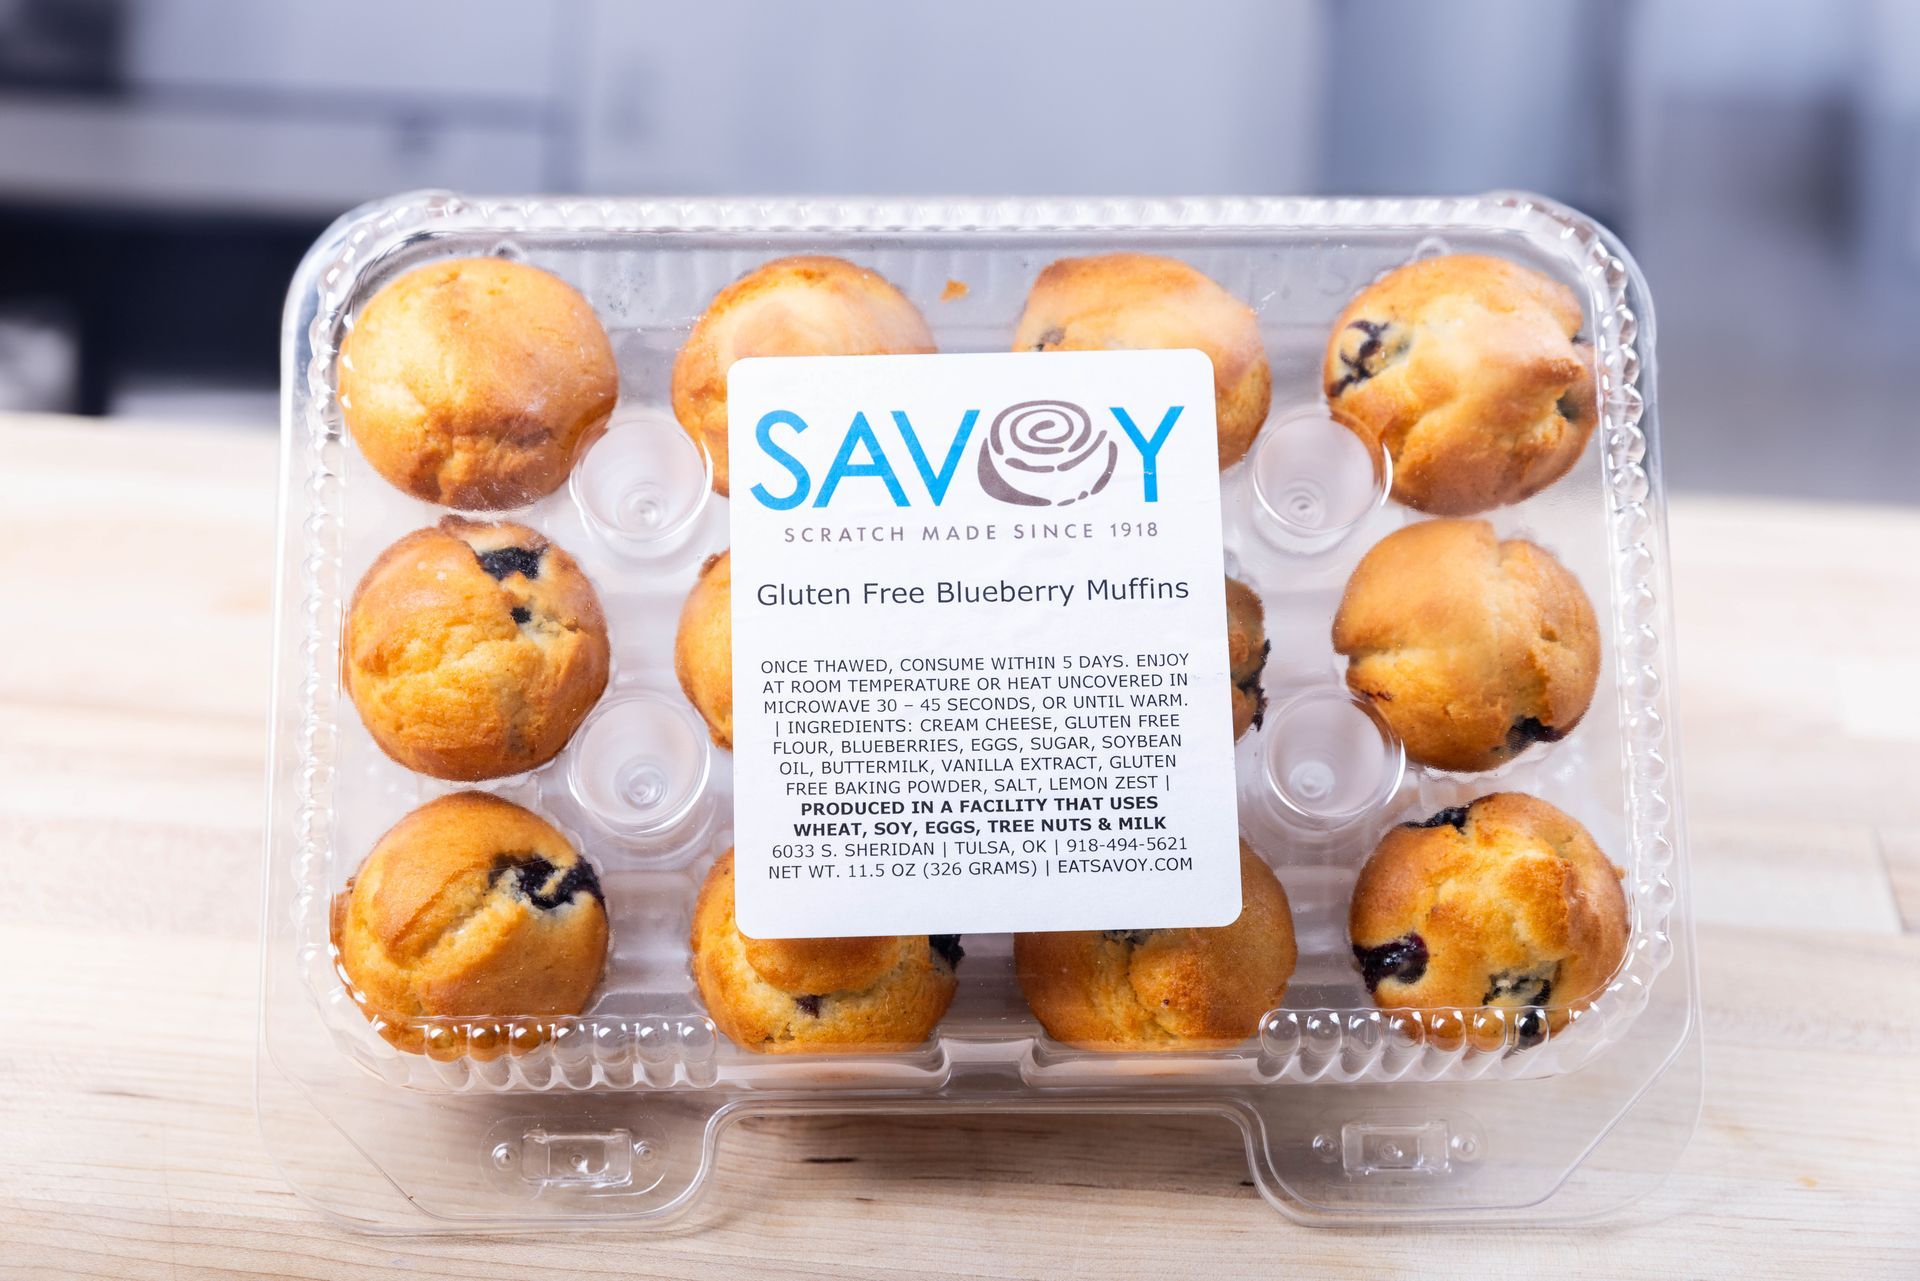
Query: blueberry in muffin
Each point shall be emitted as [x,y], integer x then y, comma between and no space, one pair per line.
[809,305]
[1167,990]
[1502,915]
[476,914]
[1471,372]
[816,996]
[474,649]
[1470,648]
[476,382]
[1132,302]
[1247,649]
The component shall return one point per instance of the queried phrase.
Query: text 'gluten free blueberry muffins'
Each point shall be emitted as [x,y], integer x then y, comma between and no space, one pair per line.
[703,650]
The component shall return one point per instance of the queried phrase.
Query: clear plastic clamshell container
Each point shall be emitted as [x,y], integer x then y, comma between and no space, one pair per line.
[1348,1114]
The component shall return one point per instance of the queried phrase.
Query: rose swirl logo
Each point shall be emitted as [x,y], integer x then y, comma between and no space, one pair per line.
[1046,453]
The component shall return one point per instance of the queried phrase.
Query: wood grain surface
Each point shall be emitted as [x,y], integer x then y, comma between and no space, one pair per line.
[136,564]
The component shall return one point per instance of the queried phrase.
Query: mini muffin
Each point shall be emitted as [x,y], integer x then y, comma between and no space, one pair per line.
[1247,647]
[803,306]
[1181,989]
[1470,371]
[471,909]
[475,382]
[703,647]
[1505,903]
[474,650]
[816,996]
[1121,302]
[1470,648]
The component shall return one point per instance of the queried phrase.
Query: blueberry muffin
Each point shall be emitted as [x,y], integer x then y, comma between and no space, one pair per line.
[816,996]
[475,911]
[474,650]
[1471,371]
[1505,904]
[1121,302]
[1181,989]
[476,382]
[1247,648]
[703,647]
[1472,649]
[803,306]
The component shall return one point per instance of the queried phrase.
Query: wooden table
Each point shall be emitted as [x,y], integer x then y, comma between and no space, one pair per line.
[136,564]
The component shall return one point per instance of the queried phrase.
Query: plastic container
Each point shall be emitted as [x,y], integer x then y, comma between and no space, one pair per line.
[1346,1119]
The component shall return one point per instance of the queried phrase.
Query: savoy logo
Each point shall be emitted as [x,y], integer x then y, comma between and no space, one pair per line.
[1038,453]
[1046,453]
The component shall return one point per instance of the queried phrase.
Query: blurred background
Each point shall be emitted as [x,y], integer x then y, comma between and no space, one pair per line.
[164,163]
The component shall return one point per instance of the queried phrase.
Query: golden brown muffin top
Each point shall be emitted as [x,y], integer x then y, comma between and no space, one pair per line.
[1144,302]
[1173,989]
[823,995]
[1506,902]
[473,648]
[703,647]
[1471,648]
[1139,302]
[822,965]
[1466,368]
[471,905]
[474,382]
[807,305]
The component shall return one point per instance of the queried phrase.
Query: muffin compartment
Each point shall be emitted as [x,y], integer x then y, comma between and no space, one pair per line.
[1313,481]
[643,487]
[1325,759]
[640,768]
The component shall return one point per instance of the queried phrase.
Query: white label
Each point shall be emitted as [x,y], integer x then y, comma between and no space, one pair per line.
[979,645]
